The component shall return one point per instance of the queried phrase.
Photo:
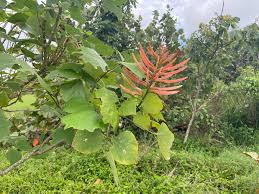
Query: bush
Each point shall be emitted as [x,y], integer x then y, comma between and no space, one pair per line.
[192,171]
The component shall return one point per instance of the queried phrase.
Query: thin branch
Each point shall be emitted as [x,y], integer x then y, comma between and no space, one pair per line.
[35,152]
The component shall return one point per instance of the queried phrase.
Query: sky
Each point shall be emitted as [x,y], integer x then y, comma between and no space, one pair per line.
[190,13]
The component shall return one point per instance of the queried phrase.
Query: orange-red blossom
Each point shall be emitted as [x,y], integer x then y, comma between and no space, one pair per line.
[160,73]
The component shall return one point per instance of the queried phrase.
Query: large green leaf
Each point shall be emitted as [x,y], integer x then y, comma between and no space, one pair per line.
[91,56]
[165,140]
[108,108]
[66,135]
[128,107]
[99,46]
[4,126]
[77,104]
[88,142]
[13,156]
[125,148]
[83,120]
[72,89]
[3,99]
[142,121]
[133,68]
[152,104]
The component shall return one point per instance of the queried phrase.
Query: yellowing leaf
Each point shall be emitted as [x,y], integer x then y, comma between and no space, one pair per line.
[108,108]
[125,148]
[25,103]
[142,121]
[128,107]
[152,104]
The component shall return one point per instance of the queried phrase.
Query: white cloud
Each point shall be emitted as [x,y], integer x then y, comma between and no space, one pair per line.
[191,13]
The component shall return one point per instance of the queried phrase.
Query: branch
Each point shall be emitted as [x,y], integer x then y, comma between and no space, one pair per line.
[35,152]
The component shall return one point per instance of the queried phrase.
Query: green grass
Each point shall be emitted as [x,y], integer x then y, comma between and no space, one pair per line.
[228,171]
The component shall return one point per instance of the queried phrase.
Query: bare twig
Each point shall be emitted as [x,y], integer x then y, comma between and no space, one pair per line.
[195,110]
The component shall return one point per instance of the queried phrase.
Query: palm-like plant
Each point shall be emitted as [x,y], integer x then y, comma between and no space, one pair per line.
[157,74]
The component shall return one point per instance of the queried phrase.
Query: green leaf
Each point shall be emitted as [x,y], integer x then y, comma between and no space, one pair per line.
[114,6]
[91,56]
[142,121]
[66,135]
[22,143]
[128,107]
[72,89]
[83,120]
[99,46]
[165,140]
[3,99]
[152,104]
[158,117]
[13,156]
[25,103]
[88,142]
[76,14]
[133,68]
[4,126]
[125,148]
[108,108]
[6,61]
[77,104]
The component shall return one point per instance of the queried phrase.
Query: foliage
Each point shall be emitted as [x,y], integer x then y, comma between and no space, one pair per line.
[63,82]
[191,169]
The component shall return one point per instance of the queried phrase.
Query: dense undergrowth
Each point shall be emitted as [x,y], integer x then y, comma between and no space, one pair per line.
[194,169]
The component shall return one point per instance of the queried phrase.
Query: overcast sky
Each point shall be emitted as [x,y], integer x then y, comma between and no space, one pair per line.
[190,13]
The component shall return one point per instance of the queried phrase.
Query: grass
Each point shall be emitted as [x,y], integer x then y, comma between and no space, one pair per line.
[189,171]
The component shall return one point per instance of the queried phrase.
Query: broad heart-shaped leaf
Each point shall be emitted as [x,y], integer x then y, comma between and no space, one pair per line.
[4,126]
[13,156]
[125,148]
[88,142]
[128,107]
[77,104]
[83,120]
[142,121]
[91,56]
[3,99]
[66,135]
[133,68]
[165,140]
[25,104]
[108,108]
[99,46]
[72,89]
[152,104]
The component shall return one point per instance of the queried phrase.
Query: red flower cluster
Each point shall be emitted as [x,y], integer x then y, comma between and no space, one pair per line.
[156,74]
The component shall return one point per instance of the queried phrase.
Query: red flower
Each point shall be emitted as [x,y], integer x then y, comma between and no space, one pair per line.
[156,75]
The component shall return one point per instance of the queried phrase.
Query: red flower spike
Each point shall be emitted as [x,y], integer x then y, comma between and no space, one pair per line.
[158,73]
